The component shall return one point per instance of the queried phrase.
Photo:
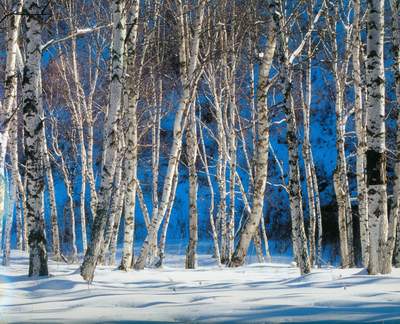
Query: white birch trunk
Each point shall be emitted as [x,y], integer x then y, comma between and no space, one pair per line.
[251,226]
[214,233]
[12,193]
[118,194]
[33,141]
[191,135]
[340,65]
[52,199]
[189,83]
[69,209]
[90,167]
[376,152]
[361,138]
[307,153]
[114,236]
[110,145]
[10,92]
[130,164]
[16,179]
[393,217]
[163,238]
[232,175]
[396,42]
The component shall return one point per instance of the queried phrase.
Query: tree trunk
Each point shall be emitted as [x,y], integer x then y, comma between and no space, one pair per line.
[376,151]
[52,195]
[393,217]
[110,144]
[396,42]
[130,165]
[251,226]
[163,238]
[361,138]
[189,81]
[191,134]
[10,92]
[214,233]
[114,236]
[307,156]
[344,252]
[117,195]
[339,68]
[33,141]
[16,179]
[11,190]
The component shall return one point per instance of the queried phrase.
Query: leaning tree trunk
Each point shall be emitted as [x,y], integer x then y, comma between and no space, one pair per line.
[163,238]
[110,145]
[294,186]
[251,226]
[376,150]
[189,82]
[33,141]
[214,233]
[117,220]
[116,196]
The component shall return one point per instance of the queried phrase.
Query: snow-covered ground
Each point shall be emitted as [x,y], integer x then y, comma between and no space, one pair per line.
[271,292]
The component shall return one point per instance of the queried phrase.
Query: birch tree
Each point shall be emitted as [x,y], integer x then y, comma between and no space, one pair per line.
[33,141]
[361,136]
[10,91]
[396,33]
[11,192]
[376,147]
[294,186]
[388,249]
[130,165]
[252,222]
[191,135]
[341,184]
[188,56]
[110,145]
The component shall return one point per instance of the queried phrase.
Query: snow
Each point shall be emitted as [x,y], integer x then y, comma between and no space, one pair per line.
[271,292]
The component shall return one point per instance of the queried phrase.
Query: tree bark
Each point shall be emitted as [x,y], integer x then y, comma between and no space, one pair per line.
[361,138]
[130,165]
[10,92]
[33,141]
[188,66]
[396,42]
[376,150]
[191,141]
[110,144]
[251,226]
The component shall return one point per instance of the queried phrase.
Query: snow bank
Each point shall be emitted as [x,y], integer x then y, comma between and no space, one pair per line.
[255,293]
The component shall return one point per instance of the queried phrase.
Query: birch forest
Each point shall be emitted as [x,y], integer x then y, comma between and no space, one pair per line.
[241,129]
